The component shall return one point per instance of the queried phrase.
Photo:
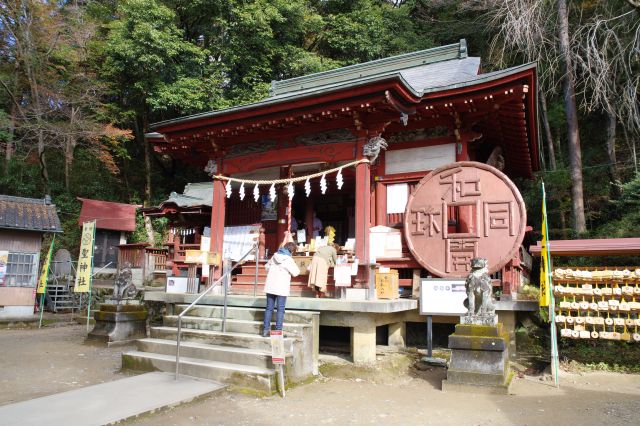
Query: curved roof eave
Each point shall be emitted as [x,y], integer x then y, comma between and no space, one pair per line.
[397,76]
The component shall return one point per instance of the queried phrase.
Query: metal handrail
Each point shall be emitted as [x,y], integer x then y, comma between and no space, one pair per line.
[218,281]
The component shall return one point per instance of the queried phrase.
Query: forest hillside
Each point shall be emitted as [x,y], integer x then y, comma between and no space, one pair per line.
[80,82]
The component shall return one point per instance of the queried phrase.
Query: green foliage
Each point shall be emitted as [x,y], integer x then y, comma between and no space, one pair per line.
[160,230]
[600,355]
[146,60]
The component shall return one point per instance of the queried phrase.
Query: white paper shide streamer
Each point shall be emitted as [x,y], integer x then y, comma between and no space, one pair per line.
[227,189]
[242,191]
[307,187]
[272,193]
[339,180]
[290,190]
[256,193]
[323,184]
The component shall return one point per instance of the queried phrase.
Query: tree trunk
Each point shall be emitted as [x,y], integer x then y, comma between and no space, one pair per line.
[8,154]
[68,159]
[547,130]
[563,224]
[632,149]
[573,136]
[151,238]
[140,129]
[43,161]
[611,152]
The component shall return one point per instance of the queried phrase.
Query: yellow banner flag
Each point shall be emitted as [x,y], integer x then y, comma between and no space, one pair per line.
[42,282]
[545,285]
[84,272]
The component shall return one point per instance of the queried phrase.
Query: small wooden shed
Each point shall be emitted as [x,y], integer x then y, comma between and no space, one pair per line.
[23,223]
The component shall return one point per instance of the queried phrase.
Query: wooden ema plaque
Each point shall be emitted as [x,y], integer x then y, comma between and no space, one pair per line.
[461,211]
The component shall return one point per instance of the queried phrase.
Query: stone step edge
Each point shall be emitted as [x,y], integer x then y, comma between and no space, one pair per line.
[203,363]
[236,321]
[245,308]
[287,336]
[221,348]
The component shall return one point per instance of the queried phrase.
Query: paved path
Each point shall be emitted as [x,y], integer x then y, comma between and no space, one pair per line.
[108,402]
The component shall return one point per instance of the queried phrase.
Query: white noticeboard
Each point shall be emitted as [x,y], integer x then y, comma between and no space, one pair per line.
[419,159]
[177,284]
[342,275]
[442,296]
[397,196]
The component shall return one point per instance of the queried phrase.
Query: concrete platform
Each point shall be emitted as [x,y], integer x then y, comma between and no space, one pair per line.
[108,403]
[302,303]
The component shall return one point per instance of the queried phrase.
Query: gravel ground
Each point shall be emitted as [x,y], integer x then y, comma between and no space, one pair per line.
[35,363]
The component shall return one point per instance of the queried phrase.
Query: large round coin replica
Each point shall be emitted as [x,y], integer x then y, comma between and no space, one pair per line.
[461,211]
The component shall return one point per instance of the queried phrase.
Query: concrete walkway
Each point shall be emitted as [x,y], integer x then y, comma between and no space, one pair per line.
[108,403]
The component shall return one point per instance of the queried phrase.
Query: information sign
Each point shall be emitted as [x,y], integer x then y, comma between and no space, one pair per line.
[442,297]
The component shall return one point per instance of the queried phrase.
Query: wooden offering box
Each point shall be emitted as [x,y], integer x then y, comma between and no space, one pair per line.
[387,284]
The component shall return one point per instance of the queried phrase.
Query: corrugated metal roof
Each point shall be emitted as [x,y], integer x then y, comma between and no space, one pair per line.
[195,194]
[109,215]
[28,214]
[592,247]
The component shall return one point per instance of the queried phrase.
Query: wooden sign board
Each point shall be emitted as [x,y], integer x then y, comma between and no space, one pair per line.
[277,347]
[201,256]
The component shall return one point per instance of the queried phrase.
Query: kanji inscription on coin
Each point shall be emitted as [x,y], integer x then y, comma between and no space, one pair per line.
[461,211]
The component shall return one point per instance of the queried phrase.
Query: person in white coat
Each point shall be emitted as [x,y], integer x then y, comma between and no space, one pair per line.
[280,269]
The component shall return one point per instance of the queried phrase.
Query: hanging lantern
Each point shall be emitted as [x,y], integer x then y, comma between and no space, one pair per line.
[323,184]
[227,188]
[272,193]
[307,187]
[290,190]
[339,180]
[242,191]
[256,193]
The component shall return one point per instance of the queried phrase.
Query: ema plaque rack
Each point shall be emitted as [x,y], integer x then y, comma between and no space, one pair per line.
[598,303]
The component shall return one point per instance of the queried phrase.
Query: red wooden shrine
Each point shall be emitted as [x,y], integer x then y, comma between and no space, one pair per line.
[432,107]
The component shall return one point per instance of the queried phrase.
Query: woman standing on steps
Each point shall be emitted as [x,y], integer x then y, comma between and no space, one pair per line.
[281,268]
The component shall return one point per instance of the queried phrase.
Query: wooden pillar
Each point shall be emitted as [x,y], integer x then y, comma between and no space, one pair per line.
[380,212]
[218,208]
[283,202]
[363,205]
[261,244]
[308,218]
[462,152]
[381,204]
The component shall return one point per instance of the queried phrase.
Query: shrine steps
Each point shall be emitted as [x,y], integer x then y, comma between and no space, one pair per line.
[261,380]
[239,357]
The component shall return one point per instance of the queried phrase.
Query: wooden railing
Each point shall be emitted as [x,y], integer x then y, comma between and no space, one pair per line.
[132,254]
[156,259]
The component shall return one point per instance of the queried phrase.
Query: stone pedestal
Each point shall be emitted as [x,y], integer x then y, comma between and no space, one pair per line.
[119,323]
[479,360]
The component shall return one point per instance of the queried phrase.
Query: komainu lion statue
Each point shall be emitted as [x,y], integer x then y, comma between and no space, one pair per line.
[479,303]
[123,287]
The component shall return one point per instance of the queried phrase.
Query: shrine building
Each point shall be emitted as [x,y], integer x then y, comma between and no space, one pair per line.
[349,147]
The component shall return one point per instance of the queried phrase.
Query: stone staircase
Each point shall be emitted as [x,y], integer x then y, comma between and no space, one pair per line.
[242,283]
[59,298]
[239,357]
